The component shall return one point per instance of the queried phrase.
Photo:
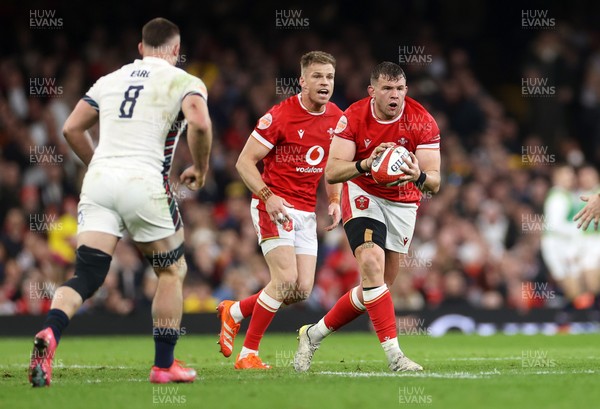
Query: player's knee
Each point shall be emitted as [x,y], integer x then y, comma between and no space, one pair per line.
[177,269]
[300,293]
[370,260]
[91,268]
[304,289]
[170,263]
[285,284]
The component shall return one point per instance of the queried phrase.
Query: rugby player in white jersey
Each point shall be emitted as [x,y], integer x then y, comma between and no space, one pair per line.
[142,109]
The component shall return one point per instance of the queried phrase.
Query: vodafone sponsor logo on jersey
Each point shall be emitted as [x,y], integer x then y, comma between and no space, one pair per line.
[314,156]
[305,162]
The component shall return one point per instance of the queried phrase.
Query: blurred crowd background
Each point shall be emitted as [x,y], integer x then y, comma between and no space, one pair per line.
[477,243]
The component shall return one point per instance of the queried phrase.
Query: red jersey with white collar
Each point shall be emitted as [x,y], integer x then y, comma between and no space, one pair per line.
[299,147]
[414,129]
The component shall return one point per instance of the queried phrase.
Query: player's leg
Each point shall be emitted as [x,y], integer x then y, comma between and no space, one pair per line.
[306,248]
[231,313]
[591,265]
[99,229]
[281,260]
[166,256]
[561,268]
[302,288]
[350,305]
[152,218]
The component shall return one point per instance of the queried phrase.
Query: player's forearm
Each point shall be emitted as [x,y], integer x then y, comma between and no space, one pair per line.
[338,170]
[432,182]
[333,191]
[81,142]
[250,175]
[200,141]
[199,132]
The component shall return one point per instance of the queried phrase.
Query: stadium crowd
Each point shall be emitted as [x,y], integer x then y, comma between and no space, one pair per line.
[477,242]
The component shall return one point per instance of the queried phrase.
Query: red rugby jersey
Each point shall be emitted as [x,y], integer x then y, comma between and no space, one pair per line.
[299,147]
[414,129]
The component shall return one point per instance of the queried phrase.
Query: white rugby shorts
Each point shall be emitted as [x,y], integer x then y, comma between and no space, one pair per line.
[300,232]
[119,199]
[399,218]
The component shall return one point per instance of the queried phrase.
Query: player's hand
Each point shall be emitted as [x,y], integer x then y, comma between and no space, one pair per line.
[193,178]
[335,212]
[276,208]
[590,212]
[411,172]
[377,151]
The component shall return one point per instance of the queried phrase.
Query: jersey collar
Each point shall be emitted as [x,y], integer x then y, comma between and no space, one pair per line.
[306,109]
[391,121]
[155,60]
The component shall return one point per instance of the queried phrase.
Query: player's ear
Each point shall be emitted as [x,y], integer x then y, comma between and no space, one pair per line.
[371,90]
[141,48]
[176,49]
[302,83]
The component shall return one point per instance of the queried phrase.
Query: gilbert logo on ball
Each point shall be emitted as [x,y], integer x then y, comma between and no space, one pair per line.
[386,166]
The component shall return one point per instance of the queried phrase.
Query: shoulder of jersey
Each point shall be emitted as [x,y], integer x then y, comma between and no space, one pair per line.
[414,105]
[285,106]
[358,108]
[333,109]
[359,105]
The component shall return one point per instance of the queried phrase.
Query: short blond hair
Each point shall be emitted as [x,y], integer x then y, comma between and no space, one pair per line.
[316,57]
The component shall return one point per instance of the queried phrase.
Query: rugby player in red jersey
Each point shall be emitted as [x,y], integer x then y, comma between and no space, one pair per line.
[379,220]
[292,140]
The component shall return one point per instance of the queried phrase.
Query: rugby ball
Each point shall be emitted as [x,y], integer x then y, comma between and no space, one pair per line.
[386,166]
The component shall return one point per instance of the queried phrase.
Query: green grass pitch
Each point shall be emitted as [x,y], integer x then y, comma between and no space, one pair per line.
[349,371]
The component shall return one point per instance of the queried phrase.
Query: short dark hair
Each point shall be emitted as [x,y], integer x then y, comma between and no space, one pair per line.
[316,57]
[158,31]
[387,70]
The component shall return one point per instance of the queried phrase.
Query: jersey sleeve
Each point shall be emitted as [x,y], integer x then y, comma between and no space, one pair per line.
[430,137]
[266,130]
[92,97]
[195,86]
[343,128]
[556,214]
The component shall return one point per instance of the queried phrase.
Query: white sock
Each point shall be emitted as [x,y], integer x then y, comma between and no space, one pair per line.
[236,312]
[318,331]
[268,302]
[391,348]
[247,351]
[355,300]
[374,293]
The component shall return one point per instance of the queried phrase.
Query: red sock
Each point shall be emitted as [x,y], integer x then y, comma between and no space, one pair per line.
[247,305]
[381,311]
[344,311]
[262,315]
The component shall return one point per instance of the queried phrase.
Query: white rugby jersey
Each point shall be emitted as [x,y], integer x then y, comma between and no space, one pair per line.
[140,114]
